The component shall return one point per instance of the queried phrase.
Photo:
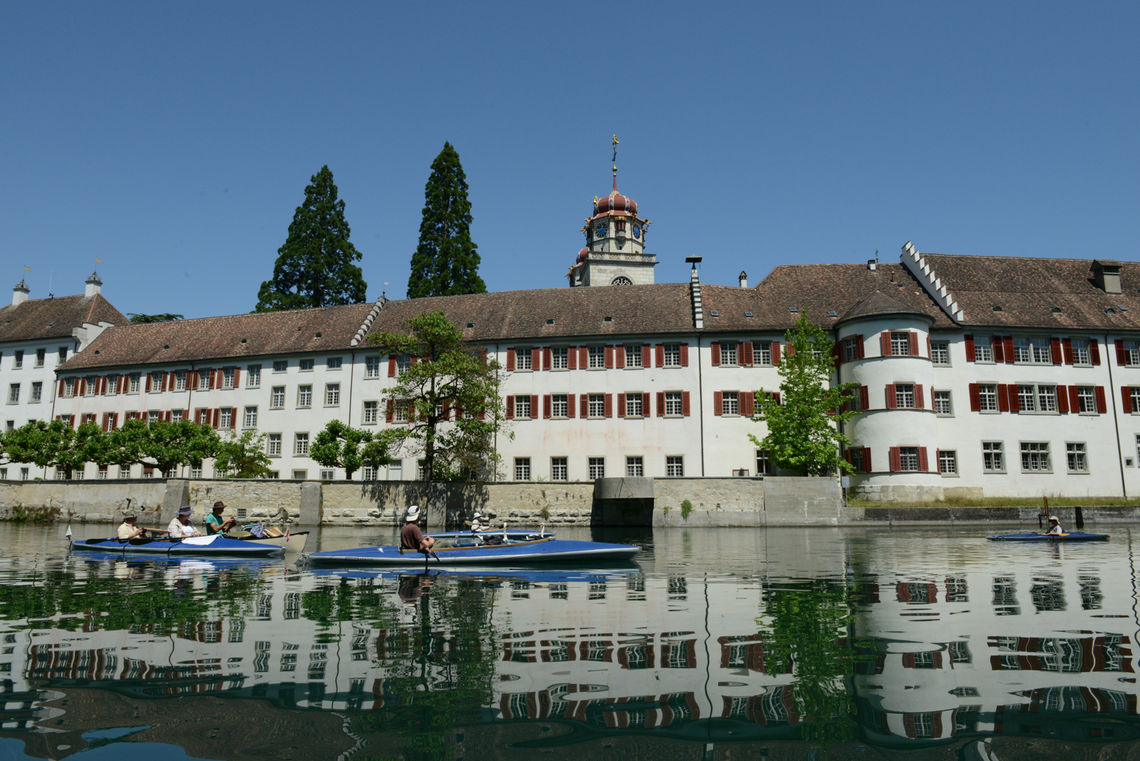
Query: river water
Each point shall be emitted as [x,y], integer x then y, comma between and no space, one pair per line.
[714,644]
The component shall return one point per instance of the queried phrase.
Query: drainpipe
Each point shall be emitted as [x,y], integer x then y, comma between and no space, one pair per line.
[1115,418]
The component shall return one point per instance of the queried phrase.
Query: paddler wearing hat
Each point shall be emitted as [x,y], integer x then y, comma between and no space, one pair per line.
[1054,527]
[411,537]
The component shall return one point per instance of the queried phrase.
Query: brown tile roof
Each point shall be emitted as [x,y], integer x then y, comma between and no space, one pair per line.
[38,319]
[1028,291]
[878,304]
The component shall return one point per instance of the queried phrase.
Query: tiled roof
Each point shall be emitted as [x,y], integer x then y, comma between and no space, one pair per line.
[1029,290]
[39,319]
[878,304]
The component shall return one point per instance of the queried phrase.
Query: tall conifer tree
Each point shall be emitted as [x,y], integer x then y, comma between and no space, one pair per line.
[315,266]
[446,262]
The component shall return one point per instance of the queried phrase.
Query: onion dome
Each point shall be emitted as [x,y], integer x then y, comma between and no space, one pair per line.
[615,202]
[583,254]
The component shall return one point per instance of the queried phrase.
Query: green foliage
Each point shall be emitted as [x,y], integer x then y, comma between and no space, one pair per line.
[686,509]
[54,444]
[242,456]
[339,446]
[452,393]
[123,446]
[446,262]
[171,444]
[138,319]
[804,433]
[315,266]
[20,513]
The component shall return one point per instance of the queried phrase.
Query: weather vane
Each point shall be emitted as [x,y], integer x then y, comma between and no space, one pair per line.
[615,144]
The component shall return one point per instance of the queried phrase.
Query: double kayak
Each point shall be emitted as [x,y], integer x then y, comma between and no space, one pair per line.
[201,546]
[463,549]
[1072,536]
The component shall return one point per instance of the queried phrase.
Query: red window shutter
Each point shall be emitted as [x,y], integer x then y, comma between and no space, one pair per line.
[912,343]
[746,353]
[585,406]
[885,343]
[895,459]
[929,353]
[570,405]
[546,362]
[546,405]
[217,417]
[1014,402]
[864,398]
[660,355]
[686,408]
[1094,351]
[608,405]
[919,401]
[970,356]
[660,403]
[889,393]
[60,392]
[645,361]
[534,405]
[718,401]
[1003,397]
[191,379]
[1074,399]
[747,403]
[82,387]
[859,346]
[1126,399]
[1055,346]
[572,357]
[609,357]
[619,357]
[1121,355]
[390,410]
[391,365]
[510,407]
[185,414]
[510,360]
[684,355]
[218,378]
[1007,348]
[923,462]
[790,350]
[1067,350]
[1101,402]
[583,357]
[621,405]
[715,353]
[237,377]
[998,347]
[866,459]
[148,382]
[536,358]
[645,404]
[775,352]
[775,396]
[836,354]
[975,397]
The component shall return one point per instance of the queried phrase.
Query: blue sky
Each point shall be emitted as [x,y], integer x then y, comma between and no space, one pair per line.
[174,141]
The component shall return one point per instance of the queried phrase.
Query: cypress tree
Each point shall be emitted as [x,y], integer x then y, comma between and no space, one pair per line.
[446,262]
[315,266]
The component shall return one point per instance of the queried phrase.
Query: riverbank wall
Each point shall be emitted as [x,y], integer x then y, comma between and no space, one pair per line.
[691,502]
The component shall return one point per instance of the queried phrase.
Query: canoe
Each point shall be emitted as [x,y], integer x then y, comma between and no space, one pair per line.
[202,546]
[292,542]
[1072,536]
[567,572]
[546,550]
[467,536]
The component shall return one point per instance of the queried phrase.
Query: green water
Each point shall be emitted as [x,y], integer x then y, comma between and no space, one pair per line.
[725,644]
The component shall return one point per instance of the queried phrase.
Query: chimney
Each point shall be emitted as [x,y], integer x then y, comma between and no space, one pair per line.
[94,286]
[743,279]
[20,293]
[872,263]
[1106,275]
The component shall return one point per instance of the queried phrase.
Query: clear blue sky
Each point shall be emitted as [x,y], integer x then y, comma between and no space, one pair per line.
[174,140]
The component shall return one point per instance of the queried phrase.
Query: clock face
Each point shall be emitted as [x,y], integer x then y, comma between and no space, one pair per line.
[637,231]
[600,230]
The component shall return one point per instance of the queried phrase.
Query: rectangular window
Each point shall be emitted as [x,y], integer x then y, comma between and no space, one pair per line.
[301,444]
[299,475]
[37,391]
[674,466]
[156,382]
[993,457]
[522,406]
[226,417]
[522,359]
[908,458]
[672,355]
[987,397]
[372,367]
[204,379]
[371,413]
[368,473]
[596,357]
[764,465]
[762,352]
[277,398]
[176,416]
[1086,399]
[597,405]
[69,387]
[634,467]
[305,396]
[399,411]
[62,354]
[942,404]
[1035,457]
[153,416]
[559,406]
[280,365]
[133,383]
[1026,397]
[983,349]
[633,406]
[633,356]
[250,419]
[332,394]
[1081,353]
[306,365]
[334,363]
[559,358]
[597,468]
[89,386]
[403,364]
[900,343]
[1131,353]
[18,360]
[728,354]
[948,462]
[14,393]
[558,469]
[396,470]
[228,374]
[904,395]
[253,376]
[850,349]
[1032,350]
[40,354]
[102,473]
[1077,457]
[112,385]
[522,468]
[1046,398]
[730,403]
[326,474]
[673,405]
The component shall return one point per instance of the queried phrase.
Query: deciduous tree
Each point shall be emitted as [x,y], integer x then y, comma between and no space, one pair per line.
[185,442]
[339,446]
[242,456]
[315,267]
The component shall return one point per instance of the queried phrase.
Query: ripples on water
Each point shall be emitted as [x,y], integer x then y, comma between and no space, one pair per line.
[714,644]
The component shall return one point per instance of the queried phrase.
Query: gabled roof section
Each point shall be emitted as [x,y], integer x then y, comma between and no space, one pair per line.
[1002,291]
[879,304]
[40,319]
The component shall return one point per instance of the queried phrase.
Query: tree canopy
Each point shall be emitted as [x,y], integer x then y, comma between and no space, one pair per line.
[242,456]
[339,446]
[446,262]
[315,267]
[449,393]
[804,434]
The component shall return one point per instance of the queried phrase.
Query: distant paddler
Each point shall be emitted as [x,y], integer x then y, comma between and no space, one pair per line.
[412,538]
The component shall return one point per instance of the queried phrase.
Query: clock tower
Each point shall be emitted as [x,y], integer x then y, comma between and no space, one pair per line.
[615,242]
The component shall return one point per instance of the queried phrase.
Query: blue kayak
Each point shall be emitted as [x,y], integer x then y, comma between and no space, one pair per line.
[198,546]
[1072,536]
[545,550]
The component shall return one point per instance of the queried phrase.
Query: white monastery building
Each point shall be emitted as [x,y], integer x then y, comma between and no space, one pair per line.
[978,375]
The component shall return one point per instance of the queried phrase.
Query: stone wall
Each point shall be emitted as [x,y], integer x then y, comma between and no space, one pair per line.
[769,501]
[83,501]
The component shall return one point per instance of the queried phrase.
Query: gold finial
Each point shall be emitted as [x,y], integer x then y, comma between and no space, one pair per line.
[595,201]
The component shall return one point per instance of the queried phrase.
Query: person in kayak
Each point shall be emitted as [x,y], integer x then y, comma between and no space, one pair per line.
[128,530]
[180,527]
[411,537]
[1054,527]
[215,524]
